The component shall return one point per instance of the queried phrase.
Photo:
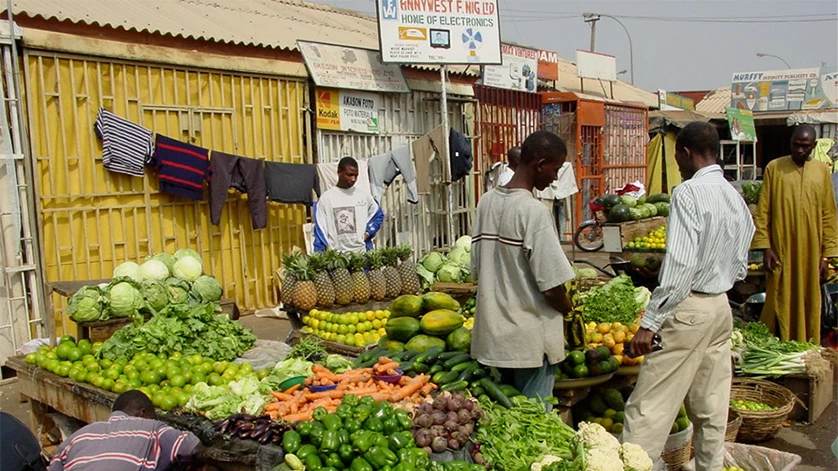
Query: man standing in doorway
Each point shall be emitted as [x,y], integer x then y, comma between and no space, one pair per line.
[797,228]
[518,261]
[346,217]
[513,156]
[707,242]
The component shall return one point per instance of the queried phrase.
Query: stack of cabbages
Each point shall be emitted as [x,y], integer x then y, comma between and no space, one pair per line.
[453,267]
[146,289]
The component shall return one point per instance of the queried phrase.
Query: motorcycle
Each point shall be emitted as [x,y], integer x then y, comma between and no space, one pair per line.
[588,236]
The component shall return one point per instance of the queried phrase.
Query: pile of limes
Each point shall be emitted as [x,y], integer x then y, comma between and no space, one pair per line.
[168,381]
[750,406]
[656,240]
[355,329]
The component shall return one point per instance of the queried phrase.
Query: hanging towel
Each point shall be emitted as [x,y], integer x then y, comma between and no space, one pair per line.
[126,146]
[461,155]
[424,150]
[291,183]
[243,174]
[328,176]
[181,167]
[385,167]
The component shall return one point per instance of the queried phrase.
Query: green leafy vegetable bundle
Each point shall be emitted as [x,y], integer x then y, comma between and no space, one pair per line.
[760,354]
[615,301]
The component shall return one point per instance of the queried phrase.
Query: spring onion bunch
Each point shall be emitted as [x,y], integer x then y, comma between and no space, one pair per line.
[760,354]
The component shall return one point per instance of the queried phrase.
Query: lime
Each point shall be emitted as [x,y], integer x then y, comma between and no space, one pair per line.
[214,379]
[149,377]
[97,381]
[53,365]
[183,398]
[155,363]
[576,357]
[111,374]
[63,370]
[196,359]
[108,384]
[78,375]
[31,358]
[262,374]
[580,371]
[219,366]
[75,354]
[133,374]
[199,378]
[145,391]
[134,383]
[176,356]
[66,338]
[88,358]
[120,387]
[85,346]
[63,350]
[157,398]
[169,402]
[178,380]
[140,365]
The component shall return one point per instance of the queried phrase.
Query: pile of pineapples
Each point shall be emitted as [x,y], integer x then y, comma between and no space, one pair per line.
[330,278]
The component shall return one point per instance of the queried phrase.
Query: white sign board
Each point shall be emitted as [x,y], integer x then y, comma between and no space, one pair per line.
[439,31]
[519,70]
[593,65]
[347,110]
[352,68]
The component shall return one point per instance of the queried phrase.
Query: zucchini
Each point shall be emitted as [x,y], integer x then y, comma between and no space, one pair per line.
[493,391]
[510,391]
[429,355]
[448,355]
[447,377]
[460,367]
[453,361]
[467,371]
[455,386]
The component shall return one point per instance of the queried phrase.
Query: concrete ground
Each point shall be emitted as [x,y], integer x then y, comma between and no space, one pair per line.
[811,442]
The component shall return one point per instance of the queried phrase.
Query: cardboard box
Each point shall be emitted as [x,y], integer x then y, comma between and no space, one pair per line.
[815,393]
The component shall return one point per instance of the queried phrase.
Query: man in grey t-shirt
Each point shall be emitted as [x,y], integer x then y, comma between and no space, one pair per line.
[518,261]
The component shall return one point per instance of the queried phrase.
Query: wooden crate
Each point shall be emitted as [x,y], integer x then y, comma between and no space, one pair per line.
[296,335]
[815,393]
[99,331]
[616,235]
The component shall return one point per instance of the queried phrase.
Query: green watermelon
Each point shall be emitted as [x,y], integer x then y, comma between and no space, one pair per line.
[619,213]
[641,200]
[653,210]
[629,200]
[635,214]
[609,201]
[663,208]
[658,198]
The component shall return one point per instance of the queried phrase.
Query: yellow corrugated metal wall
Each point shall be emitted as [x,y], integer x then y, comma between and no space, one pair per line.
[93,219]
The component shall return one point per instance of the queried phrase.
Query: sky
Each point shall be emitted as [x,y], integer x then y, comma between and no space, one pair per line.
[673,50]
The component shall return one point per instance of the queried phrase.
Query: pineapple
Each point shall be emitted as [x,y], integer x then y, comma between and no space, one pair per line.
[289,278]
[378,285]
[360,282]
[305,295]
[391,273]
[322,282]
[407,271]
[341,279]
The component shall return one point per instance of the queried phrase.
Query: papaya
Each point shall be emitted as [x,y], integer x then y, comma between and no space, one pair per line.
[407,305]
[402,329]
[459,340]
[421,342]
[440,322]
[393,346]
[432,301]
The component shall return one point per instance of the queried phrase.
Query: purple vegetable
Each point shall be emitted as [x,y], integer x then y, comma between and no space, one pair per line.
[424,421]
[453,444]
[426,408]
[423,437]
[441,403]
[452,417]
[454,404]
[438,431]
[478,458]
[428,450]
[439,417]
[450,425]
[439,444]
[464,416]
[468,405]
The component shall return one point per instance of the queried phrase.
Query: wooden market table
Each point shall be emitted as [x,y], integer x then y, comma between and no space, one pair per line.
[47,392]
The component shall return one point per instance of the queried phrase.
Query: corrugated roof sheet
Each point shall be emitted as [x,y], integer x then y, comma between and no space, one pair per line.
[715,102]
[625,92]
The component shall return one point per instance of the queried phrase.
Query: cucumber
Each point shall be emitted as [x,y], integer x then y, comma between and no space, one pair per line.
[455,386]
[493,391]
[460,367]
[453,361]
[409,355]
[435,369]
[419,367]
[437,377]
[477,373]
[467,371]
[477,390]
[429,355]
[448,355]
[494,373]
[448,377]
[510,391]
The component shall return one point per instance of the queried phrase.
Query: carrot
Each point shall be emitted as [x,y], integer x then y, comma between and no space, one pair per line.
[412,387]
[382,367]
[381,396]
[298,417]
[333,394]
[272,406]
[426,389]
[282,396]
[308,381]
[365,392]
[292,389]
[360,378]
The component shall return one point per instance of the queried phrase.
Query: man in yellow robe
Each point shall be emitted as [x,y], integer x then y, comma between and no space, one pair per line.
[797,226]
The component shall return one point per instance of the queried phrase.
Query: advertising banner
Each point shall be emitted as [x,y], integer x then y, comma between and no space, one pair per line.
[347,110]
[741,124]
[548,65]
[439,31]
[673,101]
[785,90]
[518,72]
[594,65]
[351,67]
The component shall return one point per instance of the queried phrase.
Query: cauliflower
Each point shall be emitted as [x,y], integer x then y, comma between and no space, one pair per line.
[593,435]
[546,460]
[603,459]
[635,458]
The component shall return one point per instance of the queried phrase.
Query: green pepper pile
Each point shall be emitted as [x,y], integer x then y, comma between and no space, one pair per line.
[361,435]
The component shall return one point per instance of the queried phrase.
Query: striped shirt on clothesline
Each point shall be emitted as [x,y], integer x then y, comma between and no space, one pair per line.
[126,147]
[708,235]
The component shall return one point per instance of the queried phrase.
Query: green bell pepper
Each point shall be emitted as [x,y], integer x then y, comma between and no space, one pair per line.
[332,422]
[382,411]
[330,442]
[328,468]
[291,441]
[367,401]
[400,440]
[404,467]
[360,464]
[350,400]
[420,458]
[316,436]
[334,461]
[381,441]
[380,457]
[343,435]
[391,426]
[319,413]
[374,425]
[344,411]
[306,450]
[362,412]
[364,441]
[403,418]
[457,465]
[351,424]
[304,429]
[313,462]
[346,452]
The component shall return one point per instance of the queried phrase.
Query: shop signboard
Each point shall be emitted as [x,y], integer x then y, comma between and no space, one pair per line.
[593,65]
[518,71]
[347,110]
[548,65]
[785,90]
[351,68]
[439,32]
[673,101]
[741,124]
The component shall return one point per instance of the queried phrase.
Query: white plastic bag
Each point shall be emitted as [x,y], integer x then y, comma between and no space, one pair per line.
[758,458]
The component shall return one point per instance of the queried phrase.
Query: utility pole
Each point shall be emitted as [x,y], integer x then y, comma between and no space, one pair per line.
[592,19]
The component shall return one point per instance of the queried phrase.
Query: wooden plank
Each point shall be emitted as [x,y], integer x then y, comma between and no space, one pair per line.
[69,288]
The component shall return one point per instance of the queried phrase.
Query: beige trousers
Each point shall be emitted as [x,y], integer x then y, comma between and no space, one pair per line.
[693,368]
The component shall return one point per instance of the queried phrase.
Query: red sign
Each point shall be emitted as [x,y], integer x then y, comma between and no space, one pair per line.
[548,65]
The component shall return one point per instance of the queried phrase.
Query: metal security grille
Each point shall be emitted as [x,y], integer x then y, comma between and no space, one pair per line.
[93,219]
[589,165]
[626,134]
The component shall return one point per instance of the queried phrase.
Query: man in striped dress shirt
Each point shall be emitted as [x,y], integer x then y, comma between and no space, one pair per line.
[129,440]
[709,231]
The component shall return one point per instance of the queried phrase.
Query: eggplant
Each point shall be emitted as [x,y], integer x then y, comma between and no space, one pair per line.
[245,427]
[266,438]
[277,438]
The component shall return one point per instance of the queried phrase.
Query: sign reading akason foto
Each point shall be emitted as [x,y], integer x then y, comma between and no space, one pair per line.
[352,68]
[439,31]
[347,110]
[518,72]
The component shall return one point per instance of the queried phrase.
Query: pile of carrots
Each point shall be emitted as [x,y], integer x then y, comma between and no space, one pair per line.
[297,403]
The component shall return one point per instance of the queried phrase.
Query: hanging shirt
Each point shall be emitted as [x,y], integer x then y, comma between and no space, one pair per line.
[562,187]
[384,168]
[462,158]
[244,174]
[181,167]
[126,147]
[342,217]
[291,183]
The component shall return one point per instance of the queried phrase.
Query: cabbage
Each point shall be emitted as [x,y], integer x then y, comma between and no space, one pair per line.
[585,273]
[129,269]
[460,256]
[86,305]
[124,298]
[167,260]
[463,242]
[188,269]
[178,290]
[154,270]
[449,273]
[425,275]
[155,294]
[183,253]
[642,296]
[206,289]
[432,262]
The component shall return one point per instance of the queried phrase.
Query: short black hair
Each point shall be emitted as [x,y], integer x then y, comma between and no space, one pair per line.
[699,137]
[132,402]
[542,145]
[804,128]
[513,153]
[347,162]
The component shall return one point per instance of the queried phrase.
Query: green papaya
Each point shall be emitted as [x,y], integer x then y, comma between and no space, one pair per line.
[407,305]
[459,340]
[432,301]
[402,329]
[441,322]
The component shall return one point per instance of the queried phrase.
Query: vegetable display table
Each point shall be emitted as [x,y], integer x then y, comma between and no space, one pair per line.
[47,392]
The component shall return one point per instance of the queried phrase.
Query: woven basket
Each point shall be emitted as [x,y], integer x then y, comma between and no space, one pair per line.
[734,422]
[675,459]
[760,426]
